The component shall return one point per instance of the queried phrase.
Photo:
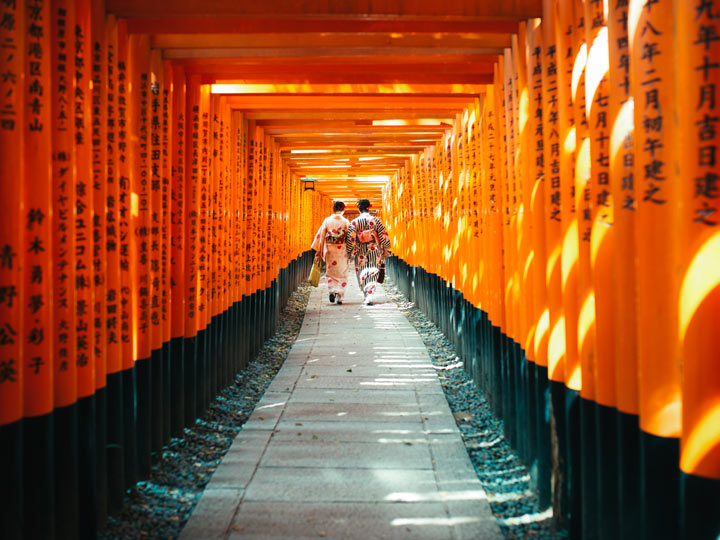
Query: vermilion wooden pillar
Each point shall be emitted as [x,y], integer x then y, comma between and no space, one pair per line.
[62,15]
[657,256]
[697,50]
[622,183]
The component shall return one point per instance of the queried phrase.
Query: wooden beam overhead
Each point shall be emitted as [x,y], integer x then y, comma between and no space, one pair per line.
[348,90]
[224,23]
[332,40]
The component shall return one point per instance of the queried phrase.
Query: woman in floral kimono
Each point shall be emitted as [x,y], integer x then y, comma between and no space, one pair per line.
[330,243]
[368,242]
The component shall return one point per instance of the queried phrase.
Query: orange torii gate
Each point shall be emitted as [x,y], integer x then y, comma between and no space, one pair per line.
[547,169]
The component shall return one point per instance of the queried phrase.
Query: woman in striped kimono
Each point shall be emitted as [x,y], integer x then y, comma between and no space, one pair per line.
[329,243]
[368,242]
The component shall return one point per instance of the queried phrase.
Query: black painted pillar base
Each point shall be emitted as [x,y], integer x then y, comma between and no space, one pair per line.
[659,487]
[700,499]
[129,427]
[66,472]
[168,401]
[559,448]
[177,386]
[39,477]
[588,470]
[201,373]
[629,476]
[156,394]
[573,479]
[11,488]
[115,448]
[143,415]
[101,458]
[544,460]
[608,474]
[190,380]
[87,454]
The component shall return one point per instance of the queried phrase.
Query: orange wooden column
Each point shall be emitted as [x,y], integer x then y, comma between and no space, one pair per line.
[504,106]
[525,181]
[63,154]
[657,257]
[535,201]
[586,292]
[151,90]
[624,314]
[98,134]
[191,205]
[568,145]
[203,288]
[586,296]
[84,204]
[567,327]
[127,324]
[622,182]
[493,184]
[116,447]
[697,50]
[555,345]
[602,264]
[180,126]
[166,163]
[601,201]
[553,197]
[12,254]
[140,243]
[37,245]
[535,193]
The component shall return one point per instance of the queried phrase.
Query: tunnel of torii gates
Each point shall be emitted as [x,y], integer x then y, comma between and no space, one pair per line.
[548,172]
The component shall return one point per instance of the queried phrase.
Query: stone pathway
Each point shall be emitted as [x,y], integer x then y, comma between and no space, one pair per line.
[353,440]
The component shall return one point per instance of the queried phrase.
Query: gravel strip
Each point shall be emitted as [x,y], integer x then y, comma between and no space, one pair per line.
[503,475]
[160,506]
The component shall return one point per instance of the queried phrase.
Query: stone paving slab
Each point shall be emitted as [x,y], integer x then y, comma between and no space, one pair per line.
[352,440]
[350,521]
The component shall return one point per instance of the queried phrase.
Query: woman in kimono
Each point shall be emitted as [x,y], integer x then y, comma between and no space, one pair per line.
[369,244]
[330,244]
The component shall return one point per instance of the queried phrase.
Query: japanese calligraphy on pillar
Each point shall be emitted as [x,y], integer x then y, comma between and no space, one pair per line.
[63,171]
[144,223]
[83,205]
[204,228]
[657,214]
[619,53]
[124,204]
[37,334]
[156,213]
[653,48]
[112,218]
[177,205]
[597,102]
[99,184]
[622,146]
[551,131]
[705,40]
[165,225]
[193,199]
[12,299]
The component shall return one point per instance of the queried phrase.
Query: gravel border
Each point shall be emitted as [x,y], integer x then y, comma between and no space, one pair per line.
[503,475]
[160,506]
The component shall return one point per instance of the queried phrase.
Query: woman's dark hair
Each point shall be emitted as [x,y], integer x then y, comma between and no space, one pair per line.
[363,205]
[338,206]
